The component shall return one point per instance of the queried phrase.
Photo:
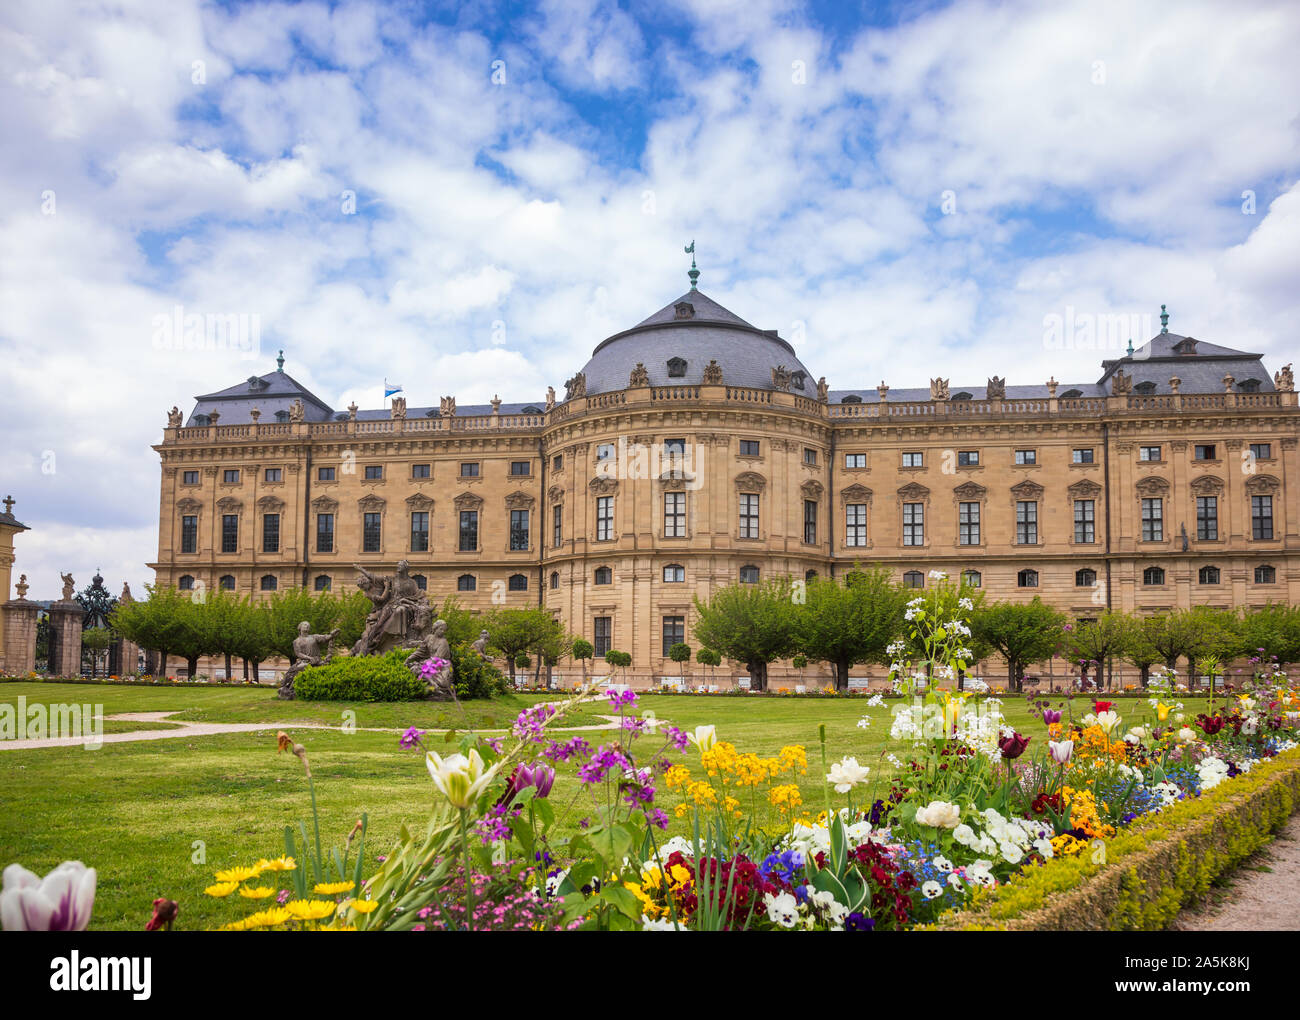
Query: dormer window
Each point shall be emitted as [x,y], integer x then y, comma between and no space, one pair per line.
[341,416]
[281,415]
[530,409]
[1145,388]
[1185,347]
[684,310]
[851,399]
[256,385]
[963,395]
[676,368]
[200,419]
[1072,394]
[1248,386]
[798,379]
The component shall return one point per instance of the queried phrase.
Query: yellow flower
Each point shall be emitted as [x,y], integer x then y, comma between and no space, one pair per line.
[309,910]
[364,906]
[786,797]
[676,776]
[679,874]
[237,874]
[1163,710]
[270,918]
[279,864]
[221,889]
[331,888]
[259,893]
[792,757]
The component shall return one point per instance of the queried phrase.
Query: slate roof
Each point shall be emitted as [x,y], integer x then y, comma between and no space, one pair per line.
[1202,372]
[276,392]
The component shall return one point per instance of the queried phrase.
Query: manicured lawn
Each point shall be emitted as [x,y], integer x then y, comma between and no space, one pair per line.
[157,817]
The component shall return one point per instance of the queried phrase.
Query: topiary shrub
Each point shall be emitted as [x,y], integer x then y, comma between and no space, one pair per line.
[361,678]
[475,676]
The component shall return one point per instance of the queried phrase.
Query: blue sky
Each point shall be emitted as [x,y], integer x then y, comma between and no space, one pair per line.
[891,186]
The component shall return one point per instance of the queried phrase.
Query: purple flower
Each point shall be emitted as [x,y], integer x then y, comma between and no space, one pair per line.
[657,818]
[574,748]
[622,699]
[859,922]
[411,738]
[532,722]
[1050,716]
[678,738]
[606,759]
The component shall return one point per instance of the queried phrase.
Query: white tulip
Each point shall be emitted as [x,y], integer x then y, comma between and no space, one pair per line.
[704,737]
[61,901]
[458,778]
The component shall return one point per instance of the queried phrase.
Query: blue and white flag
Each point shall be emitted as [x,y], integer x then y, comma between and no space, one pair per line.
[390,389]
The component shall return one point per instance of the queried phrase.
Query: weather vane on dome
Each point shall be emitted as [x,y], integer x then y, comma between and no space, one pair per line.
[694,273]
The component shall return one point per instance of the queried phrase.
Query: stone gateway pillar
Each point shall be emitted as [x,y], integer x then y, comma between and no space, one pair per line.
[17,653]
[65,638]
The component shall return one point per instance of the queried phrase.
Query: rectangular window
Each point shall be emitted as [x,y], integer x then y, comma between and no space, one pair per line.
[1204,452]
[1083,456]
[914,459]
[374,472]
[1261,516]
[190,478]
[913,524]
[420,531]
[968,458]
[1085,521]
[189,533]
[468,531]
[855,460]
[748,515]
[674,632]
[469,469]
[229,533]
[605,451]
[809,455]
[325,474]
[674,515]
[1026,522]
[419,470]
[324,532]
[603,635]
[675,447]
[1261,451]
[521,467]
[274,475]
[557,462]
[270,533]
[1026,456]
[231,476]
[519,530]
[1153,524]
[1207,518]
[604,518]
[370,532]
[749,447]
[968,524]
[557,525]
[855,524]
[810,521]
[1150,454]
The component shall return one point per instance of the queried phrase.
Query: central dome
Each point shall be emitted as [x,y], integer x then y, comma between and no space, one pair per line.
[678,342]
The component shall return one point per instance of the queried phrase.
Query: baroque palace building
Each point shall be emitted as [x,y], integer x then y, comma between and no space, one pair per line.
[694,450]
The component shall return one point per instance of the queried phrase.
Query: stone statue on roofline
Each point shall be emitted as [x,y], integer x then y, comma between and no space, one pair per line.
[1285,379]
[174,418]
[938,389]
[69,587]
[997,388]
[713,373]
[297,411]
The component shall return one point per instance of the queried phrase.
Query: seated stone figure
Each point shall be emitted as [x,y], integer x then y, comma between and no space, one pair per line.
[434,645]
[397,601]
[308,650]
[481,645]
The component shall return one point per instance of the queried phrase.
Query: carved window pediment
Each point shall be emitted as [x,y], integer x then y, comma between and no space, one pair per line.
[189,506]
[229,505]
[970,491]
[855,494]
[324,505]
[1151,487]
[913,491]
[1027,490]
[519,500]
[750,481]
[270,505]
[555,494]
[371,504]
[419,501]
[1084,489]
[603,486]
[468,501]
[1207,485]
[1262,484]
[812,489]
[676,481]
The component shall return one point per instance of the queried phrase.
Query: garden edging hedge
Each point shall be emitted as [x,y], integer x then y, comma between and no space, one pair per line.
[1151,869]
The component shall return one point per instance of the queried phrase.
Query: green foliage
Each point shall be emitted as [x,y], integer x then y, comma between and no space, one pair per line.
[361,678]
[1274,628]
[1021,632]
[850,623]
[475,676]
[1101,640]
[525,632]
[582,649]
[680,652]
[750,623]
[708,657]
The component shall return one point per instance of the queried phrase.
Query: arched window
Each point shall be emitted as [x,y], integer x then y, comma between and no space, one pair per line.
[810,575]
[555,579]
[518,582]
[1072,394]
[914,579]
[674,573]
[1263,575]
[530,409]
[1153,576]
[1248,386]
[467,582]
[604,575]
[972,579]
[1027,578]
[323,582]
[1145,388]
[1207,575]
[749,574]
[852,398]
[421,581]
[1085,578]
[282,416]
[227,582]
[186,582]
[963,395]
[269,582]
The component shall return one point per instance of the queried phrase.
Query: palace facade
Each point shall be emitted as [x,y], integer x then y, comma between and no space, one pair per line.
[695,450]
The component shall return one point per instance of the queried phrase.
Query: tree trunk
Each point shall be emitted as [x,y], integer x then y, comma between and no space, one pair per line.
[192,663]
[228,670]
[842,675]
[757,676]
[1011,675]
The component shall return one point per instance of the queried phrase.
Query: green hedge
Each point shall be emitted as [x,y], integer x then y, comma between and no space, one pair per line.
[386,678]
[1152,869]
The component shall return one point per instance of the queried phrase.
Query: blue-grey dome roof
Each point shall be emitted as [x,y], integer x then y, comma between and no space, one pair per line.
[695,329]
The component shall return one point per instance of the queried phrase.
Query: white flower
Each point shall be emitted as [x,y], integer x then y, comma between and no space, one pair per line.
[964,835]
[1010,852]
[1185,735]
[953,880]
[61,901]
[666,924]
[940,814]
[1212,771]
[942,863]
[1043,846]
[846,774]
[703,737]
[966,604]
[782,909]
[458,778]
[1108,720]
[931,889]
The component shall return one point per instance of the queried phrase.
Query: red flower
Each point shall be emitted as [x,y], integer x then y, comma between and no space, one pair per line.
[1013,746]
[1102,706]
[164,913]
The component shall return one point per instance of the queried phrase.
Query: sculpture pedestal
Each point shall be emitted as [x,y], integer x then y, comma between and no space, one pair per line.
[65,638]
[19,637]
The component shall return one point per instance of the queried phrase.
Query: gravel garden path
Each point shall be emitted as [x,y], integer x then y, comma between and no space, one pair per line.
[181,728]
[1262,894]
